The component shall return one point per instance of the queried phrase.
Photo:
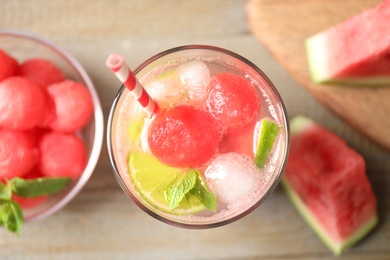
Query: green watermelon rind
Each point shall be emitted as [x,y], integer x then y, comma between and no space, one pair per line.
[317,62]
[300,124]
[336,248]
[317,58]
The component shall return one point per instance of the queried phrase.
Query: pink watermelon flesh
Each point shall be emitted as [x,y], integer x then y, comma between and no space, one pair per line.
[239,140]
[73,106]
[232,100]
[41,71]
[8,65]
[329,180]
[184,137]
[22,103]
[18,153]
[62,155]
[355,51]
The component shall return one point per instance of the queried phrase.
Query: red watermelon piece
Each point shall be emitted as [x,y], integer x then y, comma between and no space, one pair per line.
[41,71]
[62,155]
[18,153]
[183,136]
[22,103]
[232,100]
[326,180]
[73,106]
[239,140]
[355,51]
[8,65]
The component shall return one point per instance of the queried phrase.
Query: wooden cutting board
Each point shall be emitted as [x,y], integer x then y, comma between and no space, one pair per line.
[283,25]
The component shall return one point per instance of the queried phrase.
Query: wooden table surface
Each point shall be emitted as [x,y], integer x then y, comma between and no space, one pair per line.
[101,222]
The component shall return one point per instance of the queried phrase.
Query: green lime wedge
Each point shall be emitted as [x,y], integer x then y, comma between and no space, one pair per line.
[135,129]
[269,131]
[166,74]
[152,179]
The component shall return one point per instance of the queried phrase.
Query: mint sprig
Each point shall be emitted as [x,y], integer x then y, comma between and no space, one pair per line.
[204,194]
[190,184]
[11,214]
[5,192]
[38,187]
[180,187]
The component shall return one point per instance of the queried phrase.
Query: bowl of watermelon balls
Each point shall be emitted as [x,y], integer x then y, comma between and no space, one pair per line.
[51,128]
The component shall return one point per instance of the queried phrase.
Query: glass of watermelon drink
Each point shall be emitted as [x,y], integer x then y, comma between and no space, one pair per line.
[213,150]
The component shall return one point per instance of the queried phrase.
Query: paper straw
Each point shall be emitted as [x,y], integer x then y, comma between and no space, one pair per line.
[116,63]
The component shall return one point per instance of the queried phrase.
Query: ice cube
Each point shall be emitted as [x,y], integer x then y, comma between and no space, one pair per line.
[163,89]
[233,177]
[166,91]
[195,77]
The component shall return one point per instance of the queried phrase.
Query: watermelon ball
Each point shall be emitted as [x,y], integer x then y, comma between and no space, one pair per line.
[22,103]
[73,106]
[239,140]
[232,100]
[62,155]
[41,71]
[8,65]
[183,136]
[18,153]
[28,203]
[50,113]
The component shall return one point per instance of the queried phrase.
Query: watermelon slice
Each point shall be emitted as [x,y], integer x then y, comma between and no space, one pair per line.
[327,183]
[356,51]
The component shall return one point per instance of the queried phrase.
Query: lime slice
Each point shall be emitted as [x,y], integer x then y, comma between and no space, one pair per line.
[269,131]
[152,179]
[135,129]
[166,74]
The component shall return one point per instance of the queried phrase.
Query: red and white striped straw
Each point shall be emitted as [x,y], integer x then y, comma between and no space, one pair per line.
[116,63]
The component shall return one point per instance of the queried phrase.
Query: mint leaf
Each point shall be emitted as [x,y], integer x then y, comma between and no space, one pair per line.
[38,187]
[5,192]
[180,187]
[201,191]
[11,216]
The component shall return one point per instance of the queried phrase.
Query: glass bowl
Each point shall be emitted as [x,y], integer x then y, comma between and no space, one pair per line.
[22,46]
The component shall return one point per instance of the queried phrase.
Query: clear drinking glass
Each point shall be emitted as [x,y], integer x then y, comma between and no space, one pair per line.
[164,76]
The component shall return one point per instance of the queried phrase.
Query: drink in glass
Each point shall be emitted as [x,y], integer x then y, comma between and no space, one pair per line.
[215,147]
